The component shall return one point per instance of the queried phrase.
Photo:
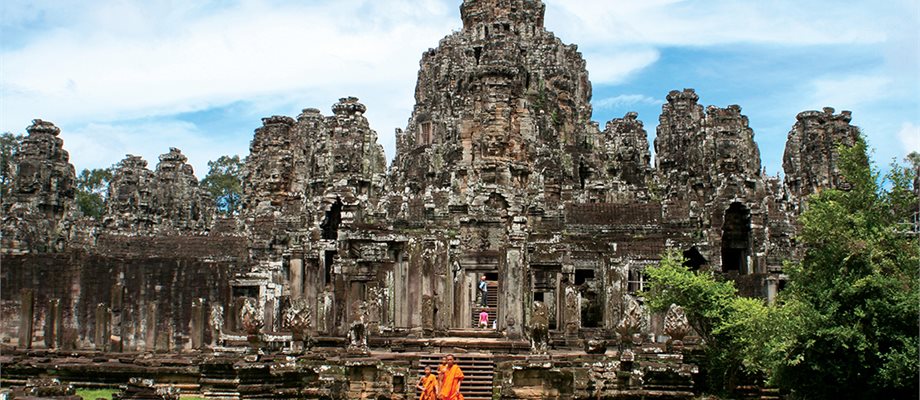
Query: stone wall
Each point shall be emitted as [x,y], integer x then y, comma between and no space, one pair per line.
[143,303]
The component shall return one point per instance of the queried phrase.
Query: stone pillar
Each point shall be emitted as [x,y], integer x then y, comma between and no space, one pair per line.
[772,288]
[216,322]
[296,282]
[26,315]
[511,282]
[150,328]
[53,324]
[118,294]
[102,327]
[165,334]
[197,324]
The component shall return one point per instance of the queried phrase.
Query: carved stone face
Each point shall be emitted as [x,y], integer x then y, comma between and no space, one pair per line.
[27,179]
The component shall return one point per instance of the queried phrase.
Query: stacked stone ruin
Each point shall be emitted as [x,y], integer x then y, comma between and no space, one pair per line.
[500,172]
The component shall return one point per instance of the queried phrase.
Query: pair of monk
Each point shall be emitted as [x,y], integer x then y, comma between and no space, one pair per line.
[444,386]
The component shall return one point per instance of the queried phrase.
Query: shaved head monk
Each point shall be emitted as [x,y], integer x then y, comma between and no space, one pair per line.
[450,386]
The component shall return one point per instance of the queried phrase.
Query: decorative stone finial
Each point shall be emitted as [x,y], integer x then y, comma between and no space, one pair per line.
[508,14]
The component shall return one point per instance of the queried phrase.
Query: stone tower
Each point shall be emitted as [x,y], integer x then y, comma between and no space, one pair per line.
[810,160]
[41,194]
[502,110]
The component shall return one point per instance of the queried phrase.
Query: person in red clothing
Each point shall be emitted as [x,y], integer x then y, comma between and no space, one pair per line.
[450,386]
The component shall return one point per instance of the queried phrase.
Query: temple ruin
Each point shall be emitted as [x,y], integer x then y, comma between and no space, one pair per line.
[343,276]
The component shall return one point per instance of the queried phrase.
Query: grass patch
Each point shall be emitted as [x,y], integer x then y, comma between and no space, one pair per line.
[93,394]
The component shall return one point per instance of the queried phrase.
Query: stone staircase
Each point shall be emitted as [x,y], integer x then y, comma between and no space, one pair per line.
[478,371]
[492,306]
[220,382]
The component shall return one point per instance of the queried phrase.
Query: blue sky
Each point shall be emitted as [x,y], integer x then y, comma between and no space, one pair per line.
[139,77]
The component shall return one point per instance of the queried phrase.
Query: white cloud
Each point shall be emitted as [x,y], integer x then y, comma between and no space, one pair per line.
[625,100]
[98,68]
[713,22]
[98,145]
[124,61]
[618,65]
[849,92]
[909,135]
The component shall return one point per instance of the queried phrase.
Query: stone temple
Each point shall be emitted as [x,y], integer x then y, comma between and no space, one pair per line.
[342,276]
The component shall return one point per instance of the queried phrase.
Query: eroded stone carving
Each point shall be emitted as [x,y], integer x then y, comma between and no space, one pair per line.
[676,324]
[357,332]
[631,325]
[299,319]
[539,329]
[41,193]
[251,316]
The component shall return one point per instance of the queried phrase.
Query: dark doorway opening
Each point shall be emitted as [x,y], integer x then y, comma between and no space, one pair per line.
[736,239]
[693,259]
[583,275]
[330,225]
[592,310]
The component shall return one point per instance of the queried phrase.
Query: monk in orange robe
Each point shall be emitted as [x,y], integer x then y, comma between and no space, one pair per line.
[442,369]
[450,388]
[428,385]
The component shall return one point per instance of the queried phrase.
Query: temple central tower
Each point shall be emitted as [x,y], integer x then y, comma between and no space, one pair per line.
[495,103]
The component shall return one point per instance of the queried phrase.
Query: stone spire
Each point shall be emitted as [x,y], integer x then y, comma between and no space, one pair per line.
[810,159]
[131,202]
[628,156]
[505,15]
[42,191]
[181,202]
[677,152]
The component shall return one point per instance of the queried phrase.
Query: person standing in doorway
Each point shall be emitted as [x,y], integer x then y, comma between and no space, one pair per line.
[450,388]
[484,292]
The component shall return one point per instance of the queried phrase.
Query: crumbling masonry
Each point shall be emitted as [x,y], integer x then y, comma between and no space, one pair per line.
[500,172]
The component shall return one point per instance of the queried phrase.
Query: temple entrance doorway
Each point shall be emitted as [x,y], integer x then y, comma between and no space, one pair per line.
[546,283]
[472,300]
[736,239]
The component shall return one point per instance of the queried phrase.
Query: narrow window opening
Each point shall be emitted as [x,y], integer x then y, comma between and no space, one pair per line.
[328,259]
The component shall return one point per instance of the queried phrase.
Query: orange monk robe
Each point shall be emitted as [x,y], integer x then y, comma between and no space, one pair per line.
[429,387]
[442,370]
[450,388]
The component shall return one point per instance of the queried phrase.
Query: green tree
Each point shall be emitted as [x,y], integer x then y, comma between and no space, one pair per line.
[91,191]
[716,313]
[856,291]
[847,324]
[9,145]
[225,183]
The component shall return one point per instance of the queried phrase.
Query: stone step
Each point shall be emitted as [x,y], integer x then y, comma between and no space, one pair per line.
[478,371]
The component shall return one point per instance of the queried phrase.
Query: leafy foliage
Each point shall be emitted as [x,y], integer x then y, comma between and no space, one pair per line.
[716,313]
[847,324]
[9,145]
[225,183]
[856,291]
[91,191]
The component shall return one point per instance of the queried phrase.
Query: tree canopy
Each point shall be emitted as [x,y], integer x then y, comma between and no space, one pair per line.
[846,326]
[225,183]
[9,145]
[92,185]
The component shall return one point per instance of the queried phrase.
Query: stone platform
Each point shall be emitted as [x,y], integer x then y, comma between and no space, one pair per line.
[509,372]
